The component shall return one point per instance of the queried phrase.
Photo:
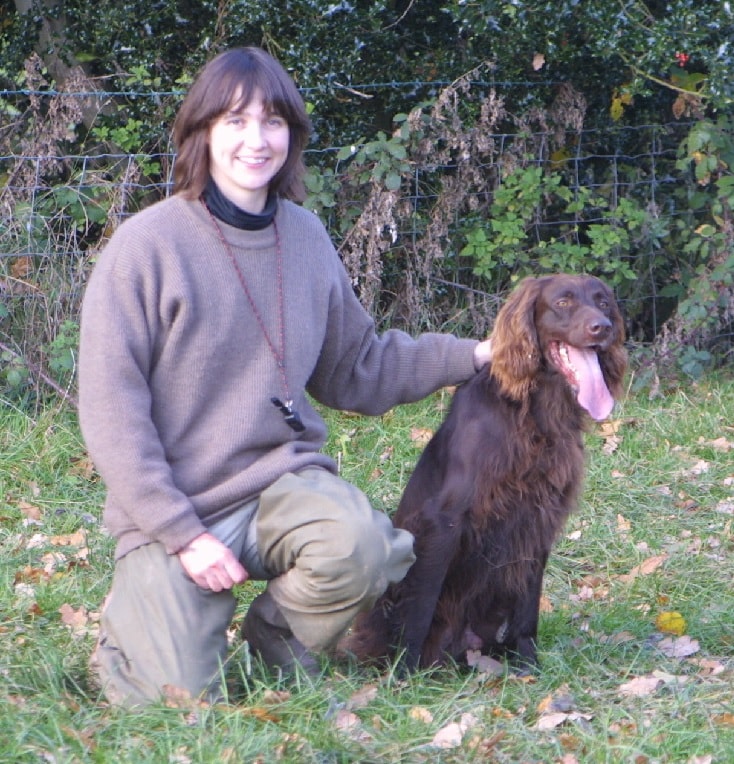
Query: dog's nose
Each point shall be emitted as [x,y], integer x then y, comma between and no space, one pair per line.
[599,327]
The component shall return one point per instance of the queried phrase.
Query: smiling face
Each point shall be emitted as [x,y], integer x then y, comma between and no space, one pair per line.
[248,145]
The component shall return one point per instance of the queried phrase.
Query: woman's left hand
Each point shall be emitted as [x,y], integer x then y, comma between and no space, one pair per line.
[482,354]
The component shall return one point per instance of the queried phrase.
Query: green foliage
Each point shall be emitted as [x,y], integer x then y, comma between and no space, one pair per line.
[410,199]
[62,351]
[504,248]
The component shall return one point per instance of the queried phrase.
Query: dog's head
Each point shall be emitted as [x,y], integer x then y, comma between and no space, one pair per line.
[567,323]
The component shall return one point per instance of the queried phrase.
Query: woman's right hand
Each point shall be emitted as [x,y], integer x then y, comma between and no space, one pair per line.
[211,564]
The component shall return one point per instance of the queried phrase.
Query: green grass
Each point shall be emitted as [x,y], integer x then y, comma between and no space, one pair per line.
[664,493]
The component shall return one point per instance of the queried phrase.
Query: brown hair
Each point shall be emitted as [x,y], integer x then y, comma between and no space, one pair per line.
[235,76]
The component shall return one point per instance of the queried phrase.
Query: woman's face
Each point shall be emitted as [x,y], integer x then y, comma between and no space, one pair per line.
[246,149]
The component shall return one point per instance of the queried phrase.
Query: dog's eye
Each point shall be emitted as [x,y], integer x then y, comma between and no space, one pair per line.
[603,304]
[563,302]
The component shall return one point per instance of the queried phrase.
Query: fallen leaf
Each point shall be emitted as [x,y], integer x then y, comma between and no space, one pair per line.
[624,526]
[30,575]
[645,568]
[346,720]
[639,687]
[545,606]
[421,714]
[362,697]
[701,467]
[420,435]
[36,541]
[561,700]
[680,647]
[29,511]
[538,61]
[724,720]
[78,538]
[484,664]
[720,444]
[551,721]
[83,467]
[449,736]
[76,620]
[611,444]
[452,734]
[275,697]
[671,622]
[708,666]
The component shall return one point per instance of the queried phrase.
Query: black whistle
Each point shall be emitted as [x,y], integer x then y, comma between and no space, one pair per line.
[292,418]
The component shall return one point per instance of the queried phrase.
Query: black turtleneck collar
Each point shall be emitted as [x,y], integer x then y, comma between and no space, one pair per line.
[228,212]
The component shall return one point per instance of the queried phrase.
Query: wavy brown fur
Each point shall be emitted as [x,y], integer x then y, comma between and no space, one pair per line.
[495,485]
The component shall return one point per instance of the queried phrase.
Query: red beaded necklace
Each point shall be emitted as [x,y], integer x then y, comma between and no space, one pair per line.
[292,417]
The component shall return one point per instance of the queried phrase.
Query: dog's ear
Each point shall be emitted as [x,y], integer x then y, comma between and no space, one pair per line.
[516,356]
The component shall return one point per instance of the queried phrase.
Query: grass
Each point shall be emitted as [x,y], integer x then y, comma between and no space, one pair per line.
[654,534]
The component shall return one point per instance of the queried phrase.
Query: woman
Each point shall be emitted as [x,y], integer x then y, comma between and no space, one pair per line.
[207,319]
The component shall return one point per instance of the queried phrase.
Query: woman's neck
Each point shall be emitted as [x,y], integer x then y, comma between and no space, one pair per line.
[228,212]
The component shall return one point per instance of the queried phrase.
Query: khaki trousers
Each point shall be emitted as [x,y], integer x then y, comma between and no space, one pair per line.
[325,552]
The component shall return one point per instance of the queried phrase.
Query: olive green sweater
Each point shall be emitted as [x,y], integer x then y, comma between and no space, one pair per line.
[176,376]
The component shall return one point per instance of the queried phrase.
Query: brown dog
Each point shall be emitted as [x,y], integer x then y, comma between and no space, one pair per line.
[495,485]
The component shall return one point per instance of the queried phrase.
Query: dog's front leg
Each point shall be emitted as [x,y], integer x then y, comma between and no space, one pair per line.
[525,619]
[437,536]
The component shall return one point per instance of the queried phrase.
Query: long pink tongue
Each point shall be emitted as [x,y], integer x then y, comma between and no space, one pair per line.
[593,393]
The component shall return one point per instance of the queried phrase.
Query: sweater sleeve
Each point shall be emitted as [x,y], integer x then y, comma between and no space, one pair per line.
[362,371]
[119,322]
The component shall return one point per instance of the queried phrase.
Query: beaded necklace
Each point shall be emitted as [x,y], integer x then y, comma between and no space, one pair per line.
[292,417]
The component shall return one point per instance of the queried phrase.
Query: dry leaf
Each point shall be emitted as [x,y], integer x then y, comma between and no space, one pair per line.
[708,666]
[545,606]
[421,714]
[720,444]
[701,467]
[345,720]
[420,435]
[83,467]
[449,736]
[648,566]
[551,721]
[76,620]
[640,687]
[611,444]
[78,538]
[29,511]
[538,61]
[560,700]
[724,720]
[623,524]
[36,541]
[362,697]
[452,734]
[680,647]
[484,663]
[275,697]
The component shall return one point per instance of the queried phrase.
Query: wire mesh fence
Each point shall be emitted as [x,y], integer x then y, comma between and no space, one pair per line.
[623,181]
